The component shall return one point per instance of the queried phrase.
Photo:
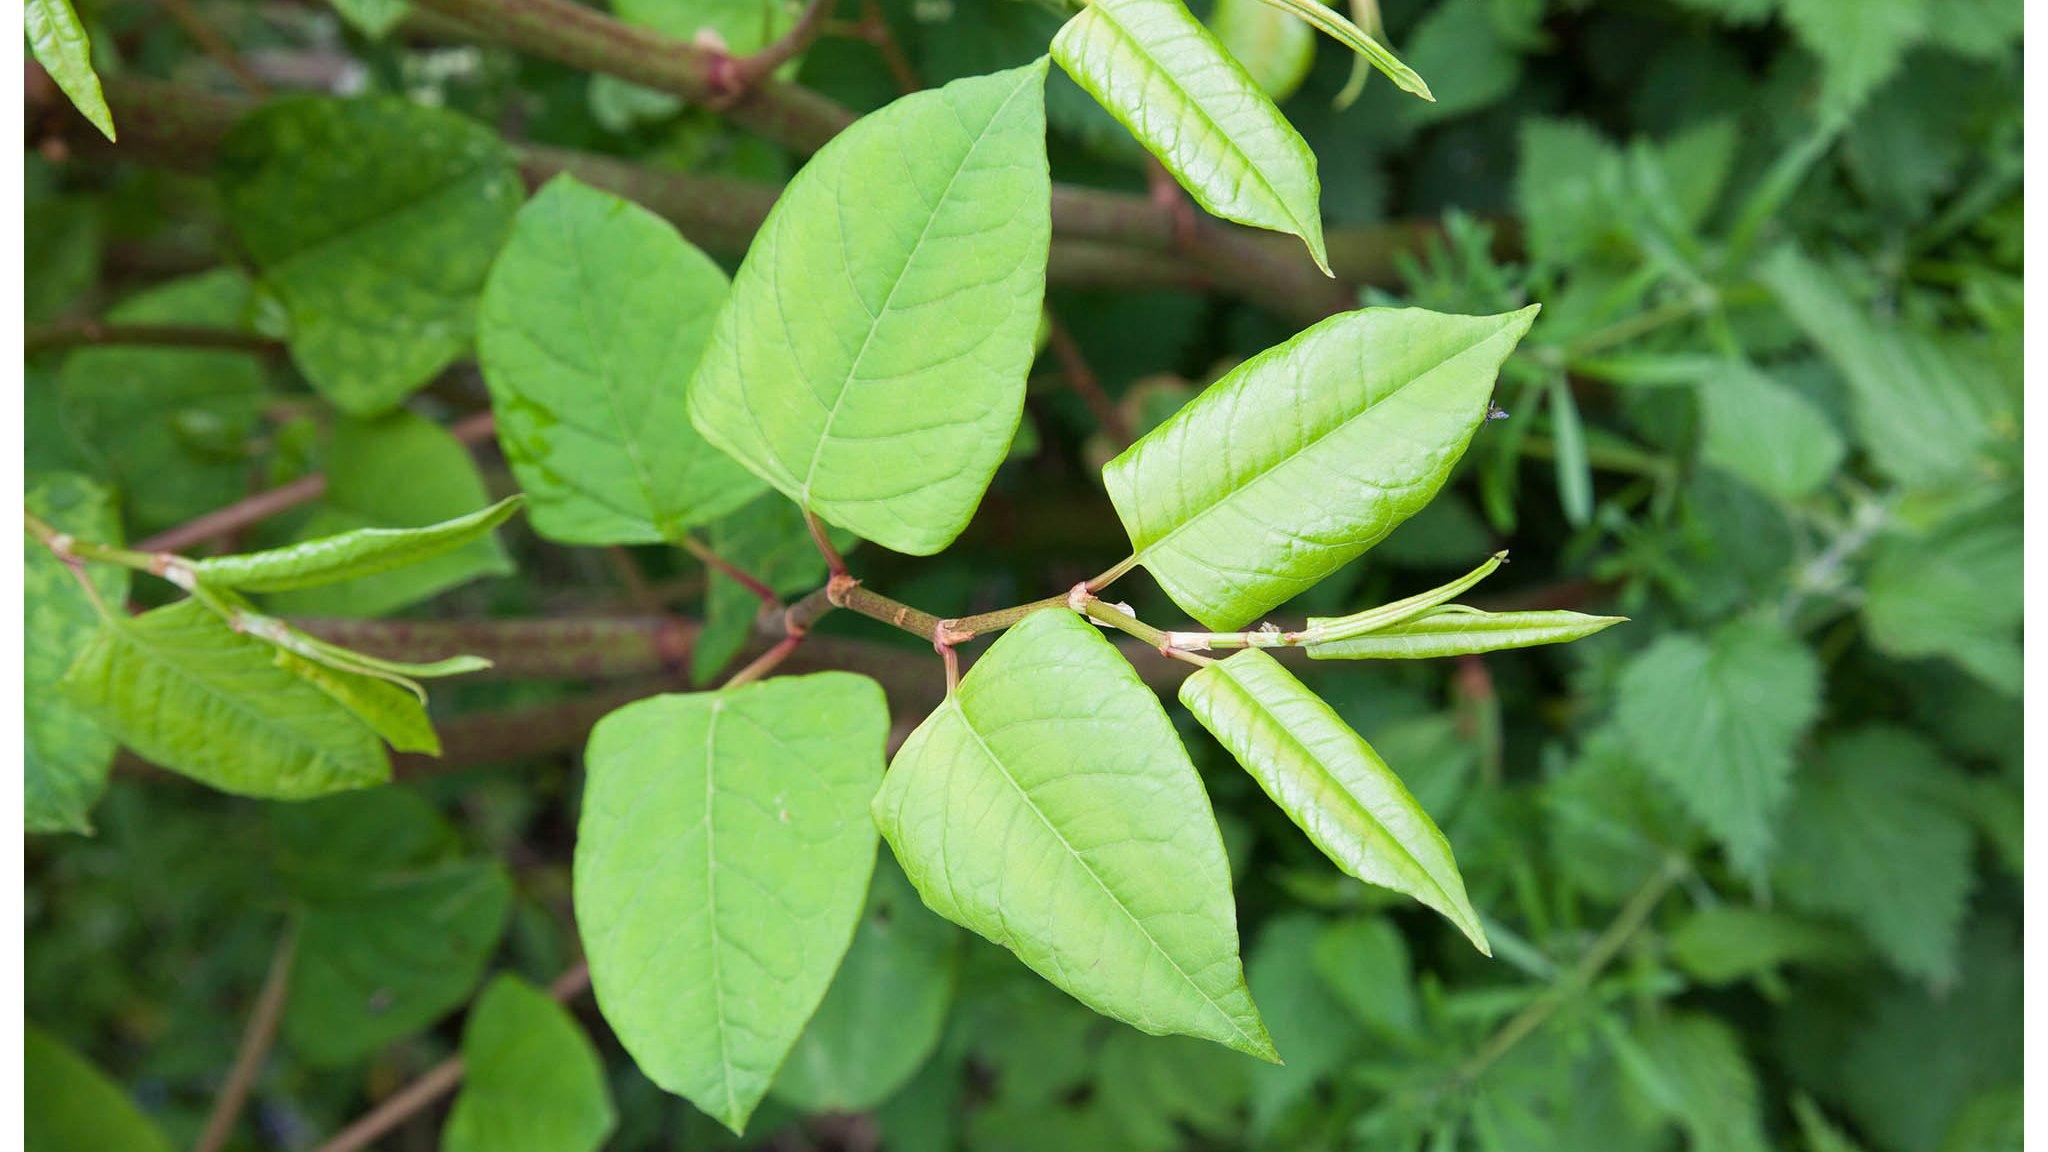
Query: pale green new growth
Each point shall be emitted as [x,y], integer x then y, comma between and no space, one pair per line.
[362,552]
[1333,24]
[59,40]
[1455,630]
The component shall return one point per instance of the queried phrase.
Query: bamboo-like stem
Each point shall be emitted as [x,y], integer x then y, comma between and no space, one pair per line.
[257,1038]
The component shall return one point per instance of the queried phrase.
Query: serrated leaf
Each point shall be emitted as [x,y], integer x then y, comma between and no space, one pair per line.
[350,555]
[1275,47]
[532,1081]
[593,320]
[1306,455]
[721,862]
[1364,962]
[1361,40]
[1716,719]
[1329,781]
[1860,42]
[883,1016]
[1692,1069]
[1048,806]
[70,1104]
[66,754]
[871,365]
[1455,630]
[1765,433]
[1193,106]
[1956,594]
[373,220]
[59,41]
[183,691]
[1610,826]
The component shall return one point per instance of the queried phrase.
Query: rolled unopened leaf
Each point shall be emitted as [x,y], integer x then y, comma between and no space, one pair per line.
[1455,630]
[349,555]
[1373,619]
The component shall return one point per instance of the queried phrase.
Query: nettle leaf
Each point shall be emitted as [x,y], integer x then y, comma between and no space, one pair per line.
[184,691]
[532,1081]
[1879,840]
[1716,718]
[59,41]
[1329,781]
[396,926]
[1275,47]
[66,754]
[721,864]
[1772,437]
[1691,1069]
[399,471]
[886,1009]
[1191,104]
[871,365]
[68,1103]
[350,555]
[1048,805]
[1306,455]
[1956,593]
[373,221]
[1364,960]
[593,320]
[1455,630]
[1860,42]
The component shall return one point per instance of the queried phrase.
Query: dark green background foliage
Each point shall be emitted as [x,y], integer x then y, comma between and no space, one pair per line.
[1750,864]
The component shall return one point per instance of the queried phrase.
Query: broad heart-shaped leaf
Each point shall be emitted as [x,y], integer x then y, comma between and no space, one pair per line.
[70,1104]
[1329,781]
[60,43]
[185,692]
[721,866]
[593,319]
[1455,630]
[67,755]
[531,1081]
[1306,455]
[1049,806]
[1716,719]
[870,364]
[362,552]
[373,220]
[1167,78]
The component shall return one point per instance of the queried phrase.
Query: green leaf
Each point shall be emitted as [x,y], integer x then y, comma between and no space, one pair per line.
[1301,1012]
[1364,961]
[373,220]
[720,866]
[391,711]
[1191,104]
[1955,593]
[350,555]
[1860,43]
[397,472]
[1275,48]
[1329,628]
[531,1081]
[58,38]
[871,365]
[1455,630]
[1691,1069]
[1877,839]
[183,691]
[1329,781]
[1767,434]
[1306,455]
[66,754]
[1716,719]
[1723,943]
[593,320]
[396,927]
[1048,806]
[739,27]
[1364,43]
[887,1006]
[68,1104]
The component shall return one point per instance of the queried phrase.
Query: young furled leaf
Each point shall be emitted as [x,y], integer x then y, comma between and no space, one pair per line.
[1048,806]
[871,365]
[532,1082]
[65,754]
[349,555]
[1455,630]
[59,40]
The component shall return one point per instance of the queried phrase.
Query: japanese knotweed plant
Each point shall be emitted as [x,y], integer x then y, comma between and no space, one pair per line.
[868,365]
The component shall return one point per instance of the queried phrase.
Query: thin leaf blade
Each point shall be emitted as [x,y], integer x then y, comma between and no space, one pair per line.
[1457,631]
[349,555]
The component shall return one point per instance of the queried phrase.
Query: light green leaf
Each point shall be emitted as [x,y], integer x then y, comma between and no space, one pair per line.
[1955,593]
[593,320]
[886,1008]
[1724,943]
[69,1105]
[1456,630]
[1770,436]
[350,555]
[1329,781]
[1692,1069]
[1875,838]
[1860,43]
[59,40]
[720,866]
[373,220]
[871,365]
[1048,806]
[1306,455]
[1716,719]
[396,927]
[183,691]
[1191,104]
[739,27]
[1364,961]
[400,471]
[531,1081]
[1275,48]
[391,711]
[1365,43]
[66,755]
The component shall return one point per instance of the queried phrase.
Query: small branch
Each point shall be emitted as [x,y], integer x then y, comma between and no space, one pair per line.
[1082,379]
[256,1040]
[78,333]
[766,662]
[834,562]
[874,27]
[1005,618]
[846,592]
[734,77]
[216,46]
[710,559]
